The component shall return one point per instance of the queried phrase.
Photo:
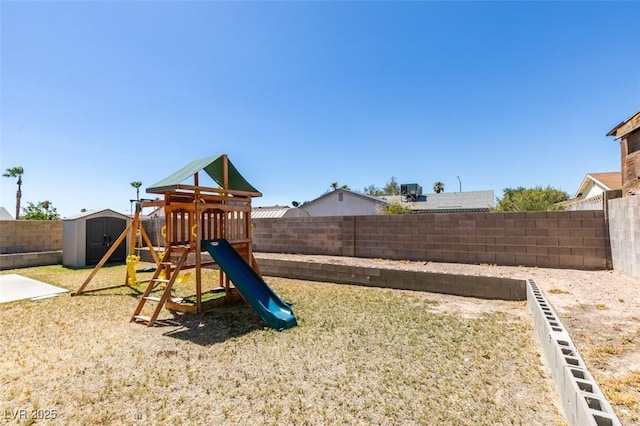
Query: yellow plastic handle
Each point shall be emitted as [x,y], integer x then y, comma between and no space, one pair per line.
[163,231]
[194,229]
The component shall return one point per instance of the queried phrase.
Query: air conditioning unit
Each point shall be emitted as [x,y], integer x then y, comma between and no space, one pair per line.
[410,191]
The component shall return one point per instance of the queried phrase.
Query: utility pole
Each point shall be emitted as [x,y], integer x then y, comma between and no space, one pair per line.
[460,182]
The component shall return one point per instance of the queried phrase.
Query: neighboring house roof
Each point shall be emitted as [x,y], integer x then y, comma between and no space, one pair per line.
[444,202]
[276,212]
[607,181]
[94,213]
[260,213]
[214,167]
[627,126]
[449,201]
[376,200]
[5,215]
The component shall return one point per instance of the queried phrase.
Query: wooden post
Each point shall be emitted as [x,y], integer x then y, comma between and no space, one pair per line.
[135,224]
[225,186]
[225,171]
[247,226]
[198,245]
[152,250]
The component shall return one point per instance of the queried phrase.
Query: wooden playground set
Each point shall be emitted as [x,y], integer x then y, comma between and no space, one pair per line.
[195,217]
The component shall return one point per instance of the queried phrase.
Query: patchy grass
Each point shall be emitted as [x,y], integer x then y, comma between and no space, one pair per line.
[359,356]
[558,291]
[624,392]
[626,385]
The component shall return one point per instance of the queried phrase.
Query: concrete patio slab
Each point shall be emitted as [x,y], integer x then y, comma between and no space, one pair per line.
[16,287]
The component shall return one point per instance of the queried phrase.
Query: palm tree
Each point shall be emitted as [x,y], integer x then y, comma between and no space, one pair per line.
[137,184]
[438,187]
[16,172]
[335,185]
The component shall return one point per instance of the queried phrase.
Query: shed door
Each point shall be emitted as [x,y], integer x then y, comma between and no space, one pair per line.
[102,232]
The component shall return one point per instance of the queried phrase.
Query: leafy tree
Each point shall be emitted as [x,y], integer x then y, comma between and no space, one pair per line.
[46,205]
[396,208]
[11,173]
[438,187]
[372,190]
[391,188]
[137,184]
[531,199]
[44,210]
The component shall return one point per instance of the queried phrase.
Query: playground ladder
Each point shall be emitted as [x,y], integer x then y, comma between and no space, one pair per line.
[171,272]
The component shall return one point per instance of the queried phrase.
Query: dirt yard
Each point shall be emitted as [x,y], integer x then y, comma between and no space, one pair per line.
[600,309]
[359,355]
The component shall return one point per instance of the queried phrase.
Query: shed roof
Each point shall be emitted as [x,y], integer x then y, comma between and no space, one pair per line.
[88,213]
[214,167]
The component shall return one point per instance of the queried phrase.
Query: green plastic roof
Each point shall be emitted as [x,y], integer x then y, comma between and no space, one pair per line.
[214,168]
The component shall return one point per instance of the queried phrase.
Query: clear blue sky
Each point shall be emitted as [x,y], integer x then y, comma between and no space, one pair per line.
[96,95]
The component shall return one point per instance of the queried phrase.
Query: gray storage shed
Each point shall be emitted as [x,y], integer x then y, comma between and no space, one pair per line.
[86,238]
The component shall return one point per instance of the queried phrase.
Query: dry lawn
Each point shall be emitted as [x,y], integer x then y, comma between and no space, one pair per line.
[358,356]
[600,309]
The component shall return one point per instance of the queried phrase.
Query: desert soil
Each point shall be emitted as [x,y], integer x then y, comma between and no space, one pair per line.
[600,309]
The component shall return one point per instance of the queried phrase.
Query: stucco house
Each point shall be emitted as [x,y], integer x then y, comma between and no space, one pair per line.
[594,190]
[342,202]
[628,132]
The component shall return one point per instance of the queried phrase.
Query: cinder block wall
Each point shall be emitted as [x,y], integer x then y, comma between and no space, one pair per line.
[459,285]
[26,236]
[624,230]
[564,239]
[305,235]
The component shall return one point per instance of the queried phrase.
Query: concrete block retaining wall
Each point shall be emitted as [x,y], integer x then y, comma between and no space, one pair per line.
[25,260]
[562,239]
[583,402]
[624,230]
[459,285]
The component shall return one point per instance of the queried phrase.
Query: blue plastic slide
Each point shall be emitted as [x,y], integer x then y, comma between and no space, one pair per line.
[256,292]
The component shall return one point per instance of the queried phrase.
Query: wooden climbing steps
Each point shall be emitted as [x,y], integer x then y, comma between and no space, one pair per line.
[171,272]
